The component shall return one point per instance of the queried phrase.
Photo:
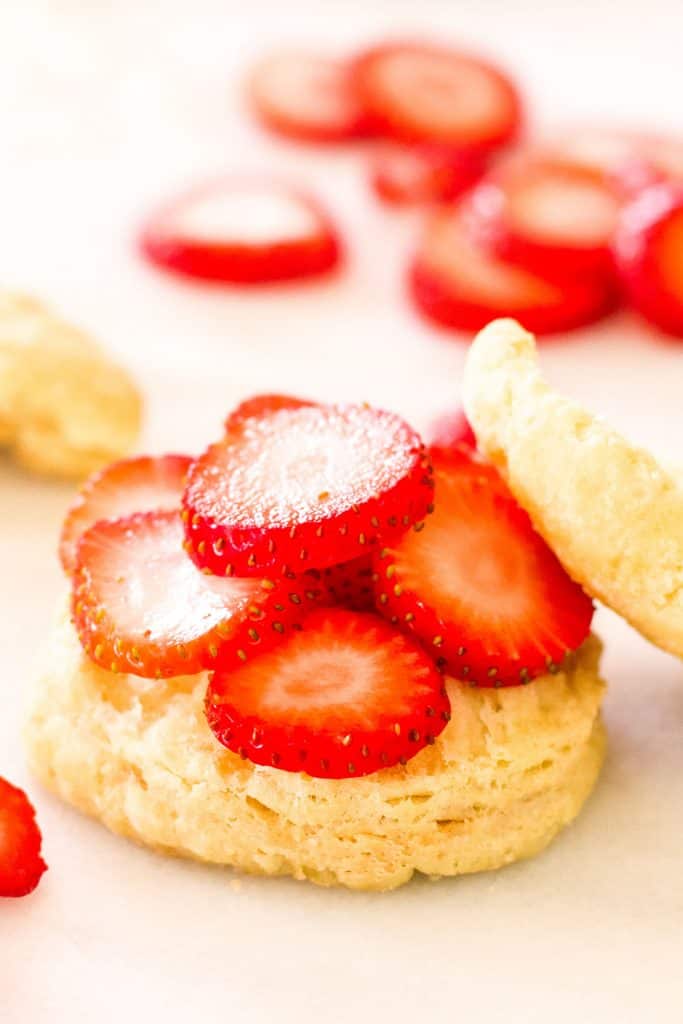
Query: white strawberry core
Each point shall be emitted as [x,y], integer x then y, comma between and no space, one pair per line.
[306,88]
[251,215]
[577,212]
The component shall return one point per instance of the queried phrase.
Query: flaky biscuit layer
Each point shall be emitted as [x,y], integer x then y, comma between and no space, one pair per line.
[510,770]
[65,408]
[609,510]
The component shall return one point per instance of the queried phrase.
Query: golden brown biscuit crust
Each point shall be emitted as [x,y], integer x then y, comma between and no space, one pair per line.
[510,770]
[65,408]
[610,511]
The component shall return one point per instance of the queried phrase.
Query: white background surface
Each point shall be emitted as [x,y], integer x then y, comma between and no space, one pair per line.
[104,109]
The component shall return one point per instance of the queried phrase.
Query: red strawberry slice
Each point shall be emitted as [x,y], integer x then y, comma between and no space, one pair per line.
[304,489]
[346,696]
[143,484]
[450,431]
[141,606]
[648,248]
[481,590]
[306,97]
[551,216]
[458,283]
[423,93]
[262,405]
[349,584]
[243,232]
[21,864]
[424,174]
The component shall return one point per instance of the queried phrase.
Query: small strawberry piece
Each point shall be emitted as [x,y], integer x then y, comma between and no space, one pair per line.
[550,216]
[424,174]
[261,405]
[458,283]
[481,590]
[346,696]
[142,484]
[648,248]
[243,232]
[141,606]
[349,584]
[21,865]
[450,431]
[304,489]
[306,97]
[422,93]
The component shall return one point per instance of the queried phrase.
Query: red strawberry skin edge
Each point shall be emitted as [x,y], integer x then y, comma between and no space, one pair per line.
[21,863]
[255,551]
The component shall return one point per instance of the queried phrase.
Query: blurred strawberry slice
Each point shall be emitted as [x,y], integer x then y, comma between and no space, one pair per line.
[548,215]
[648,248]
[306,97]
[418,92]
[459,284]
[242,232]
[404,175]
[450,431]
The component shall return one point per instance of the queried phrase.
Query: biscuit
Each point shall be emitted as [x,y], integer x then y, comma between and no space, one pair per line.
[511,769]
[610,511]
[65,409]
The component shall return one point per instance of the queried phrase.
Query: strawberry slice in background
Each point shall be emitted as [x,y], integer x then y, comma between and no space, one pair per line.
[417,92]
[428,173]
[144,483]
[304,488]
[21,863]
[262,405]
[306,97]
[478,586]
[141,606]
[550,216]
[648,248]
[458,283]
[245,232]
[346,696]
[449,431]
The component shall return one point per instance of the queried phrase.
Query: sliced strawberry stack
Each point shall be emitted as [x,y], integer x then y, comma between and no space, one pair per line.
[479,588]
[307,97]
[304,488]
[346,696]
[141,606]
[142,484]
[243,232]
[21,863]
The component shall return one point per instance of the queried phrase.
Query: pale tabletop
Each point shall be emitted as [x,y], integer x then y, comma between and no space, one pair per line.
[106,108]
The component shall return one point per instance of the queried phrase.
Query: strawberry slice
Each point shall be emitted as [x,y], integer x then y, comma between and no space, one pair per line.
[458,283]
[423,93]
[243,232]
[424,174]
[306,97]
[479,587]
[450,431]
[346,696]
[21,864]
[304,489]
[349,584]
[141,606]
[648,248]
[142,484]
[551,216]
[261,405]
